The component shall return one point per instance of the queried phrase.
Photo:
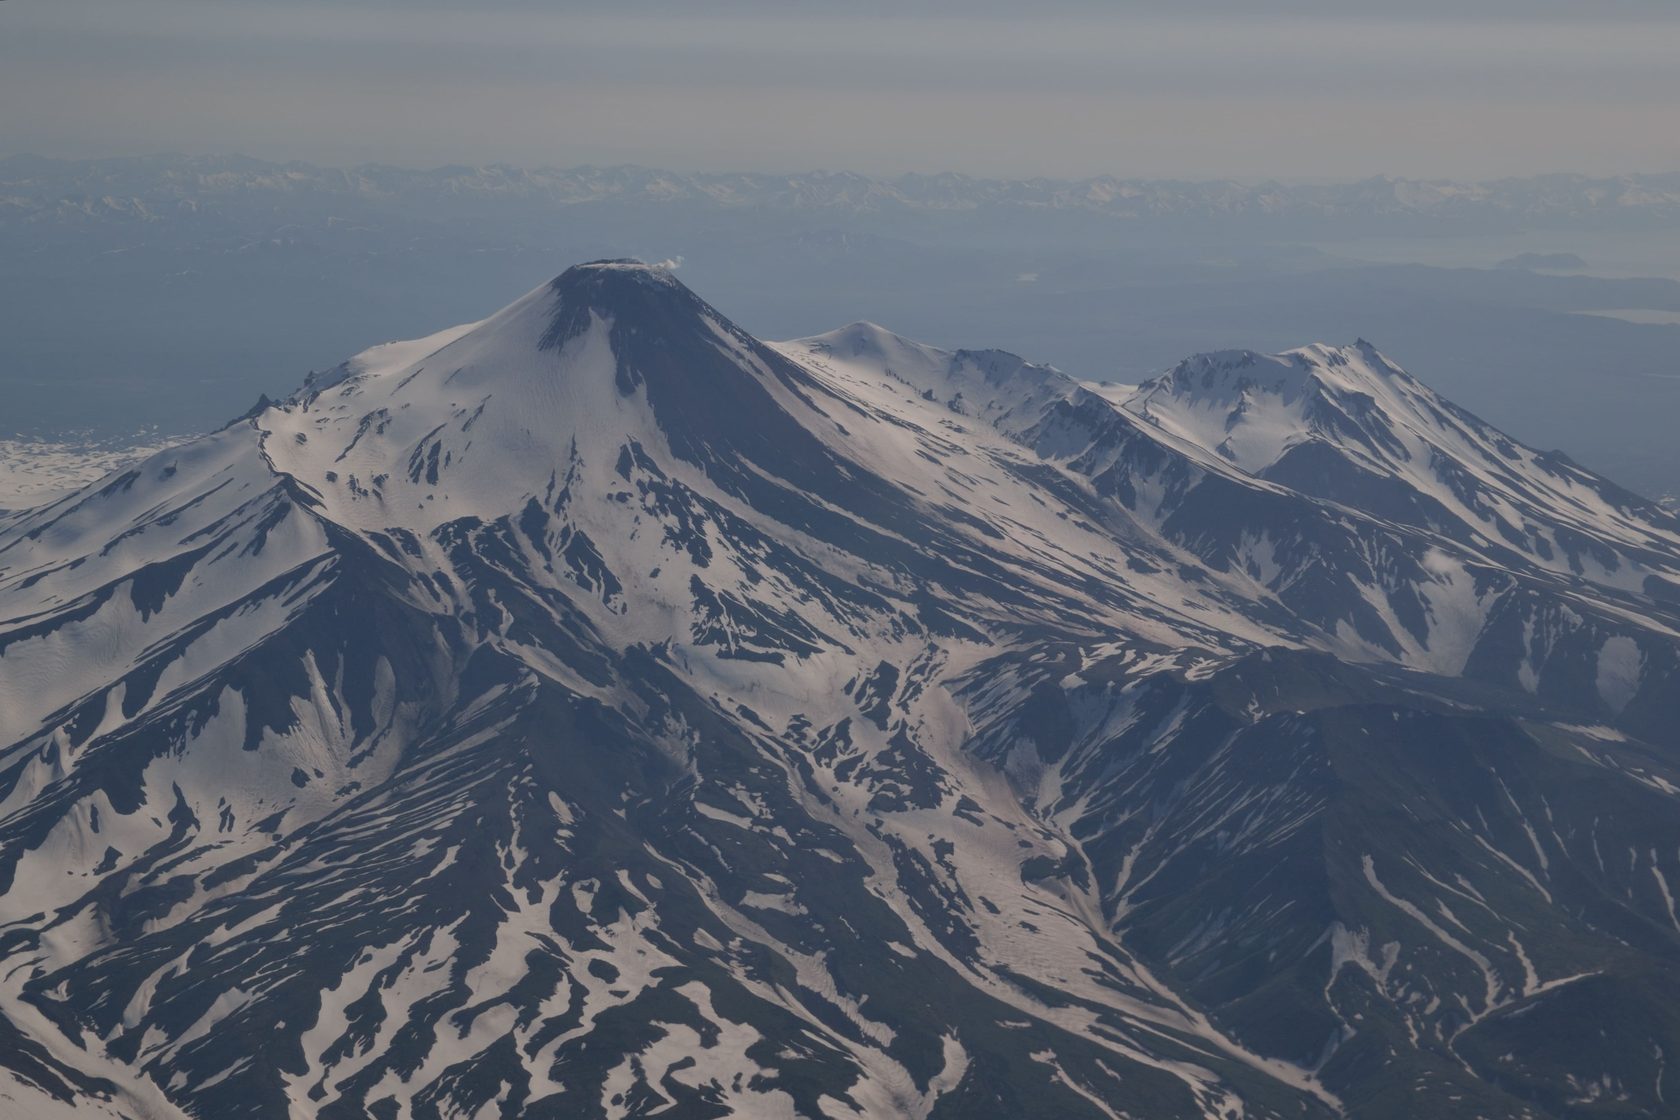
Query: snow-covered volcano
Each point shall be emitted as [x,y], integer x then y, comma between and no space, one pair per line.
[596,711]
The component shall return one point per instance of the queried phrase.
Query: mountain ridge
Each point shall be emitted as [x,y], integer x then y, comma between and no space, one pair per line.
[135,188]
[597,711]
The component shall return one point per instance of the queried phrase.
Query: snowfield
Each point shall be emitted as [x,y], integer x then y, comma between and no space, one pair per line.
[597,711]
[36,471]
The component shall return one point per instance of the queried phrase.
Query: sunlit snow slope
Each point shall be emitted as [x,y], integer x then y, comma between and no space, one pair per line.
[595,711]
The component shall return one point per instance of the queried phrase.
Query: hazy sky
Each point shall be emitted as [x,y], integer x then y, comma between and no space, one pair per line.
[1197,88]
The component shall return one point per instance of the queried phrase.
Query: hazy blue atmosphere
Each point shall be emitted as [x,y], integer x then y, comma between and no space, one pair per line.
[170,292]
[794,560]
[1141,159]
[1204,89]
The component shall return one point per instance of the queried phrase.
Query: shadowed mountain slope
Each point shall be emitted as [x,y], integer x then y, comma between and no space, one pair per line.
[596,711]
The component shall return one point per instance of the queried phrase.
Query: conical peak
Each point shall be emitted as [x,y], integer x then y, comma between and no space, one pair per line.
[611,286]
[874,342]
[624,291]
[597,274]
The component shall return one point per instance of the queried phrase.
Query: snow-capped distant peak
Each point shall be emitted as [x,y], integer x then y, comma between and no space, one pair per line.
[1251,408]
[869,346]
[1224,375]
[991,384]
[1348,424]
[864,339]
[595,709]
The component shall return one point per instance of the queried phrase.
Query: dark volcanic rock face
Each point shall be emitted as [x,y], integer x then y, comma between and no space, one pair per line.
[596,711]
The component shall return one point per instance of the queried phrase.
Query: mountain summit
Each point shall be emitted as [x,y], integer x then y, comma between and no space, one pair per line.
[597,711]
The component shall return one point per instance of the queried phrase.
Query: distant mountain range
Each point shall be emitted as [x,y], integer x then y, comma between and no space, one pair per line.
[218,278]
[37,189]
[596,711]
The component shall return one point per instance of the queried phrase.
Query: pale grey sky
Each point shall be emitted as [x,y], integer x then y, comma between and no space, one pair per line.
[1197,88]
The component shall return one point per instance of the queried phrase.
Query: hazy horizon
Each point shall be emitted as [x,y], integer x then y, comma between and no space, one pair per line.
[1300,91]
[784,560]
[927,172]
